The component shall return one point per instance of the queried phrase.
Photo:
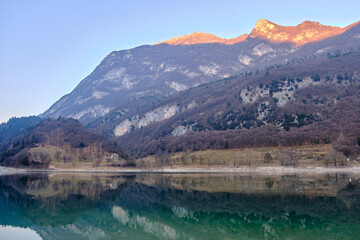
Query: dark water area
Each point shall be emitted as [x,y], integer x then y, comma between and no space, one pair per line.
[180,206]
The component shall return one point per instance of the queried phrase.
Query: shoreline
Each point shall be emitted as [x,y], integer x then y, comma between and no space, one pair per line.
[265,170]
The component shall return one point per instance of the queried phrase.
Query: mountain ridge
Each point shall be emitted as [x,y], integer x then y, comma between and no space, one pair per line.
[200,38]
[303,33]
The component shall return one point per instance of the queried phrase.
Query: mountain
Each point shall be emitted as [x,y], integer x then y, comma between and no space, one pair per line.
[301,34]
[129,80]
[309,102]
[57,140]
[193,93]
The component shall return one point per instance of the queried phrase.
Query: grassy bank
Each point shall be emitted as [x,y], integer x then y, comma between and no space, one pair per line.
[252,159]
[297,156]
[72,159]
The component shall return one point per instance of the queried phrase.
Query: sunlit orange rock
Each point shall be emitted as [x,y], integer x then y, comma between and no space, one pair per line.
[301,34]
[199,37]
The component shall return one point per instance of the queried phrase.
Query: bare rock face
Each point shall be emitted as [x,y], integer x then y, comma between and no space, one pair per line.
[199,37]
[301,34]
[137,121]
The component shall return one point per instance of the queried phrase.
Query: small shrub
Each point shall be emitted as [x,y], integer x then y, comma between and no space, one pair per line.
[267,157]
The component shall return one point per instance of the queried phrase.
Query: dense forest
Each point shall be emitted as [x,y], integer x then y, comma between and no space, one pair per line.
[15,126]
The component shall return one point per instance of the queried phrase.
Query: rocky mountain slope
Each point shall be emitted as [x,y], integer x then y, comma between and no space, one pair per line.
[299,103]
[301,34]
[201,38]
[126,81]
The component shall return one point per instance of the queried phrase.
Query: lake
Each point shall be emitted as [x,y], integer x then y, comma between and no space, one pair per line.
[180,206]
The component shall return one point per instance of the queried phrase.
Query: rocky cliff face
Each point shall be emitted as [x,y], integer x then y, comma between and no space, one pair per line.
[137,121]
[200,38]
[301,34]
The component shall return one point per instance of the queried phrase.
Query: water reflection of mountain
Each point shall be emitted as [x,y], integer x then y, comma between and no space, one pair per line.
[182,207]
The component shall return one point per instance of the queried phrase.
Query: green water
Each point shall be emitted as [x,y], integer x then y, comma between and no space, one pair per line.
[180,206]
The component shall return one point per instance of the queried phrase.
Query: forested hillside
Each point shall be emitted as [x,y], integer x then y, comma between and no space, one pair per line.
[58,140]
[15,126]
[313,102]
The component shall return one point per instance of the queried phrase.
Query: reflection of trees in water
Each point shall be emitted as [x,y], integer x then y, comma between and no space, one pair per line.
[264,205]
[311,196]
[293,184]
[148,206]
[233,215]
[57,200]
[350,195]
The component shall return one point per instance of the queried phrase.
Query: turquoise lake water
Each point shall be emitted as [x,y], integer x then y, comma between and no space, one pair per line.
[180,206]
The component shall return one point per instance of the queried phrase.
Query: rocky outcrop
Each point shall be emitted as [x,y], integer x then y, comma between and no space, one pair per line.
[201,38]
[137,121]
[181,130]
[280,91]
[157,115]
[301,34]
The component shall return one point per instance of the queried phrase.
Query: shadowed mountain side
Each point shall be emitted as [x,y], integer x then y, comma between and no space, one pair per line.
[295,104]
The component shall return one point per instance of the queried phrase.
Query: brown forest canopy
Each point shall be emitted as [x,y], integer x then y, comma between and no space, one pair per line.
[62,133]
[315,114]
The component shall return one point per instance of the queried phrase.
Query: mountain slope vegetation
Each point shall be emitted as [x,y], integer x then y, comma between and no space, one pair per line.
[301,103]
[58,140]
[15,126]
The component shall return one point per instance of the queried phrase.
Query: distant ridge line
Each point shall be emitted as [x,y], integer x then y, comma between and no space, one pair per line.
[301,34]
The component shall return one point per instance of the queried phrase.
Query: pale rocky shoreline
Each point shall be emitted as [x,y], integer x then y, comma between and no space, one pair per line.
[265,170]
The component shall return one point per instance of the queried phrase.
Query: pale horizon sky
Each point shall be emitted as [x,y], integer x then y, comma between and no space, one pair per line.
[48,47]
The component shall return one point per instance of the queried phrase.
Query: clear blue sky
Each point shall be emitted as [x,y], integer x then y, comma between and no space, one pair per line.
[48,47]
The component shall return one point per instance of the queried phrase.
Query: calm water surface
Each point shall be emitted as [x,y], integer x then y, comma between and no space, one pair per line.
[179,206]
